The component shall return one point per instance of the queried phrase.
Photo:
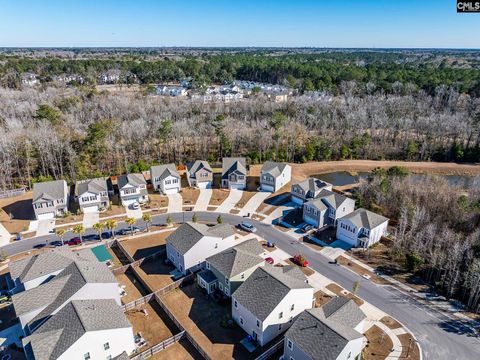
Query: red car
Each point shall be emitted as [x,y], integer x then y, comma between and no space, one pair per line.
[269,260]
[300,260]
[74,241]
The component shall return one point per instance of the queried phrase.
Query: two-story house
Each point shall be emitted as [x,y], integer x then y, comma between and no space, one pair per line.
[361,228]
[200,174]
[266,304]
[165,178]
[133,189]
[234,173]
[274,176]
[231,267]
[327,208]
[92,195]
[331,332]
[50,199]
[308,189]
[83,329]
[191,243]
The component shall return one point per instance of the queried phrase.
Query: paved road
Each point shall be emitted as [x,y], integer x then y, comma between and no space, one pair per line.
[438,335]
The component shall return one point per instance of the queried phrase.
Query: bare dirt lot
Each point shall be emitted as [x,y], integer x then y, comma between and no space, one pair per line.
[190,196]
[337,290]
[218,196]
[155,273]
[182,350]
[17,212]
[378,345]
[132,287]
[246,195]
[157,200]
[140,247]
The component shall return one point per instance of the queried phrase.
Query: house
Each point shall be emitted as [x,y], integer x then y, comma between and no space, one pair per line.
[274,176]
[331,332]
[361,228]
[231,267]
[35,270]
[308,189]
[326,208]
[171,90]
[29,79]
[266,304]
[132,188]
[92,195]
[165,178]
[82,329]
[192,243]
[50,199]
[80,280]
[200,174]
[234,173]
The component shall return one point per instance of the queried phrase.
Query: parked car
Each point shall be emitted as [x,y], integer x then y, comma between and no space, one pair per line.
[39,246]
[106,235]
[91,237]
[4,299]
[55,243]
[300,260]
[135,206]
[247,227]
[306,228]
[74,241]
[270,260]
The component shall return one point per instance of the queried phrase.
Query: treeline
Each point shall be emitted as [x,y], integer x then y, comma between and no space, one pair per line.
[437,236]
[306,72]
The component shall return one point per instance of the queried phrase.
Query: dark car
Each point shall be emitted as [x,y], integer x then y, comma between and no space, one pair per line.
[306,228]
[39,246]
[106,235]
[74,241]
[91,237]
[55,243]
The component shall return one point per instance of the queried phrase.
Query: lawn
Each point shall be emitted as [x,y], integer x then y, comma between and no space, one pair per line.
[157,200]
[155,273]
[190,195]
[378,344]
[390,322]
[17,212]
[321,298]
[341,292]
[246,195]
[140,247]
[218,196]
[410,348]
[132,286]
[361,271]
[181,350]
[115,210]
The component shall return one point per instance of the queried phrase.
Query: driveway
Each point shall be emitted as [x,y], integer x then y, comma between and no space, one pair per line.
[203,200]
[4,236]
[45,226]
[175,202]
[233,198]
[252,205]
[279,212]
[90,218]
[136,214]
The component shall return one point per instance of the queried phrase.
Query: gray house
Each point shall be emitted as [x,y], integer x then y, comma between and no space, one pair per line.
[92,195]
[234,173]
[361,228]
[200,174]
[274,176]
[331,332]
[231,267]
[327,208]
[308,189]
[50,199]
[165,178]
[133,189]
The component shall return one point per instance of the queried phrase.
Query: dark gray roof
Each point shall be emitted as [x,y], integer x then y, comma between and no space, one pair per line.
[234,261]
[343,310]
[189,233]
[197,165]
[363,218]
[230,165]
[312,184]
[122,356]
[132,179]
[94,186]
[47,262]
[327,198]
[164,171]
[49,190]
[273,168]
[267,287]
[67,326]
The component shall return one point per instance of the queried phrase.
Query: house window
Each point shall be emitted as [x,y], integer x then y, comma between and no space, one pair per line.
[106,346]
[279,327]
[291,319]
[289,344]
[235,304]
[258,323]
[241,320]
[216,245]
[349,355]
[109,357]
[226,281]
[292,307]
[208,265]
[86,356]
[280,315]
[242,276]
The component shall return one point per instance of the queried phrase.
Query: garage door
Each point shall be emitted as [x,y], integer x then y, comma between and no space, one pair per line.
[205,185]
[237,186]
[128,202]
[90,209]
[46,216]
[171,191]
[268,188]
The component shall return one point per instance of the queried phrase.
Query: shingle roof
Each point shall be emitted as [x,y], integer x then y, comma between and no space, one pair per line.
[122,356]
[164,171]
[47,262]
[343,310]
[365,218]
[49,190]
[267,287]
[234,261]
[230,165]
[273,168]
[197,165]
[75,319]
[133,179]
[312,184]
[189,233]
[208,276]
[327,198]
[94,186]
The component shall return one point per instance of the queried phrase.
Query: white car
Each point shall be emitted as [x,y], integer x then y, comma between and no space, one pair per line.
[247,227]
[135,206]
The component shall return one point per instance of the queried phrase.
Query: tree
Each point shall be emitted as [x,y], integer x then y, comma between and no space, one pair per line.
[219,219]
[131,221]
[79,230]
[147,218]
[60,233]
[194,218]
[413,261]
[99,227]
[276,123]
[169,221]
[111,225]
[46,112]
[356,287]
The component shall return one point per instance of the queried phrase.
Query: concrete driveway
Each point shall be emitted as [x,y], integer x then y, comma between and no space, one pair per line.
[90,218]
[45,226]
[203,200]
[136,214]
[279,212]
[4,236]
[175,202]
[255,201]
[233,198]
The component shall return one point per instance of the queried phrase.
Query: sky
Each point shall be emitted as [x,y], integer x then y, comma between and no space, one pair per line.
[256,23]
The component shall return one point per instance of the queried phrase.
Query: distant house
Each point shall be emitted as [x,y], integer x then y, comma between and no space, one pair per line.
[231,267]
[331,332]
[165,178]
[308,189]
[361,228]
[82,329]
[274,176]
[234,173]
[29,79]
[192,243]
[132,188]
[200,174]
[92,195]
[326,208]
[266,304]
[171,90]
[50,199]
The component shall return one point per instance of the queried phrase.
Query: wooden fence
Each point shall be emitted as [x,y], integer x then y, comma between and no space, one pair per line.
[160,346]
[271,351]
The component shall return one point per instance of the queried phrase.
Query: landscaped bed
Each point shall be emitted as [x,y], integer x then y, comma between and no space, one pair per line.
[390,322]
[321,298]
[379,345]
[410,348]
[361,271]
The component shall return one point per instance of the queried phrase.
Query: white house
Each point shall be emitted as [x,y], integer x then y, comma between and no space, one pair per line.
[192,243]
[327,208]
[200,174]
[50,199]
[165,178]
[331,332]
[133,189]
[274,176]
[308,189]
[266,304]
[92,195]
[361,228]
[82,329]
